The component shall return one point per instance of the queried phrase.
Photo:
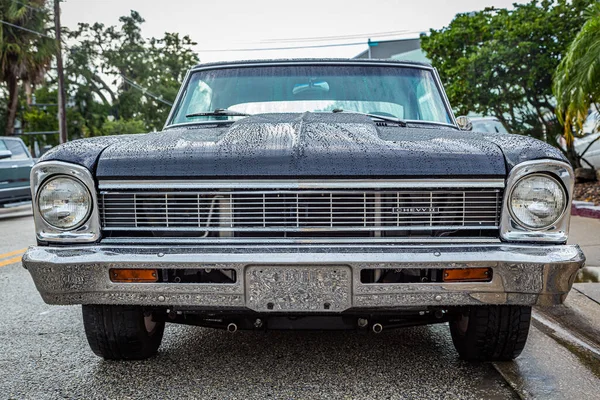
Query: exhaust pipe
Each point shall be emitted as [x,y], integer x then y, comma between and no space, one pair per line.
[232,327]
[377,328]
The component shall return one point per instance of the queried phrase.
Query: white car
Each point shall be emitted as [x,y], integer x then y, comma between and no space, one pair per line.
[488,125]
[591,128]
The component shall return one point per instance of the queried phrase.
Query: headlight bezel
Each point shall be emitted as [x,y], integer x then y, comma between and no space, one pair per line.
[86,232]
[62,176]
[558,232]
[529,176]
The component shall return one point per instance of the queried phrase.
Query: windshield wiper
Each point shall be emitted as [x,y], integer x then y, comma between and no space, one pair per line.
[399,121]
[219,112]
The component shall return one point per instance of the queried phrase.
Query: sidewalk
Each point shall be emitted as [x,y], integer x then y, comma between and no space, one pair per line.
[576,323]
[586,233]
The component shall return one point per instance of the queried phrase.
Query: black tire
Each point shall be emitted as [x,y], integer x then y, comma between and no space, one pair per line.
[491,333]
[122,332]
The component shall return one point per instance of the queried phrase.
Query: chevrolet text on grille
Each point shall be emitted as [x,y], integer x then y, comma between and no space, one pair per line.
[415,210]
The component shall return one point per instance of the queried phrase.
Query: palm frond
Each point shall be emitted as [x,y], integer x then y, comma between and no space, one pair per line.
[577,78]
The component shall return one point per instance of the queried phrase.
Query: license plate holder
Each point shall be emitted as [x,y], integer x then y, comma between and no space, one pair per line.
[299,289]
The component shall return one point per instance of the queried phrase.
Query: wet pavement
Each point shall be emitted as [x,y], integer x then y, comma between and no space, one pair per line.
[44,353]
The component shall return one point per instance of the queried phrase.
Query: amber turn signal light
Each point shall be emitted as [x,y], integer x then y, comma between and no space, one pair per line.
[468,275]
[133,275]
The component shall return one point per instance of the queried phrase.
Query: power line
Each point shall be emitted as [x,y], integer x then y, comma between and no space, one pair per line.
[315,46]
[26,29]
[338,37]
[127,80]
[281,48]
[132,83]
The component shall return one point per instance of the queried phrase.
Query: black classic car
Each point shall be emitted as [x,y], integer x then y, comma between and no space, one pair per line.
[305,194]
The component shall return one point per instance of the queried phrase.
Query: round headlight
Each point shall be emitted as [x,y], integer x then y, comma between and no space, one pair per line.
[537,201]
[64,202]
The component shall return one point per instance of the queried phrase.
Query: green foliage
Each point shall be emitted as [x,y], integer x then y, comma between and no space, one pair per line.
[108,63]
[104,71]
[24,56]
[577,79]
[123,127]
[499,62]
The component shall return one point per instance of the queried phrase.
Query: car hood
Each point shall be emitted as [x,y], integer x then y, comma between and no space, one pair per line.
[304,145]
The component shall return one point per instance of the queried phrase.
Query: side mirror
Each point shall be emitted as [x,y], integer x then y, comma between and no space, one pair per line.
[464,123]
[5,154]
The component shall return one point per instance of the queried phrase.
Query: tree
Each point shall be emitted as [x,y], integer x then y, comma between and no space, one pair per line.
[577,79]
[25,53]
[131,78]
[500,62]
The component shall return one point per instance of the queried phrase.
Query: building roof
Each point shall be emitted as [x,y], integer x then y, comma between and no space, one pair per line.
[413,55]
[387,48]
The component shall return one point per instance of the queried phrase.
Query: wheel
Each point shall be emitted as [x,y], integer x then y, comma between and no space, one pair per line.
[491,333]
[122,332]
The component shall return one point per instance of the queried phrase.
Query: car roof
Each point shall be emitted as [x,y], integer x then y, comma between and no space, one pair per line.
[478,119]
[10,138]
[305,61]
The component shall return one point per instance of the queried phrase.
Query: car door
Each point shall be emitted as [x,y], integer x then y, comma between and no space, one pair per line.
[592,155]
[14,171]
[7,174]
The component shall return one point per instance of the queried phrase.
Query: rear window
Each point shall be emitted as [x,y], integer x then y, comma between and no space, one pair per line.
[17,149]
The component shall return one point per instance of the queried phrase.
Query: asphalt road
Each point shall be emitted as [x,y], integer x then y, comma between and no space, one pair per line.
[44,355]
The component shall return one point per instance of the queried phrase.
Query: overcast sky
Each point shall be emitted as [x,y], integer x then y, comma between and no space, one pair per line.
[235,24]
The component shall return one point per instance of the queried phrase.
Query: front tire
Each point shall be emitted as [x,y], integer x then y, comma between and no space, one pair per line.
[122,332]
[491,333]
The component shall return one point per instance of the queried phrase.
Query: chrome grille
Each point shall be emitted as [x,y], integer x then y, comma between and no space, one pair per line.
[276,212]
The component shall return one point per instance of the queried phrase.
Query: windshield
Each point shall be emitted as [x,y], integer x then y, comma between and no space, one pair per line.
[403,92]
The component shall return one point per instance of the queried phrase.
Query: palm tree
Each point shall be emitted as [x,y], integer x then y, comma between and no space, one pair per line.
[25,50]
[577,78]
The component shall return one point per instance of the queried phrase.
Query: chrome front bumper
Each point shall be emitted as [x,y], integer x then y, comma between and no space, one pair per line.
[522,274]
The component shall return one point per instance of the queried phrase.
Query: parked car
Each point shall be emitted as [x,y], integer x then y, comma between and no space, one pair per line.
[305,194]
[590,143]
[15,167]
[488,124]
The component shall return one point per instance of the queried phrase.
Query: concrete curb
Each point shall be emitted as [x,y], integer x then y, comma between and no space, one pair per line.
[585,209]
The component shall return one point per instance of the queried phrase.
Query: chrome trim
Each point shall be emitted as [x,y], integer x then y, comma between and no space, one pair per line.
[299,61]
[549,177]
[511,230]
[198,68]
[87,214]
[13,188]
[180,92]
[292,229]
[287,241]
[522,274]
[305,210]
[89,231]
[302,184]
[445,99]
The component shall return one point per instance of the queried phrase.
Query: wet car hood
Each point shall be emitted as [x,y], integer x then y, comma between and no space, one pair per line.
[307,145]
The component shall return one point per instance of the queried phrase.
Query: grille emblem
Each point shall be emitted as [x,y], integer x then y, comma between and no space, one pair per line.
[415,210]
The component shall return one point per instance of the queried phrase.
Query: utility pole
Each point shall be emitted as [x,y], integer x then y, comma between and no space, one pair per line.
[62,115]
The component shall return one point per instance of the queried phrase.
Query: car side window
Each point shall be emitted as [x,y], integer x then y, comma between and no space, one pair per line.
[17,149]
[2,145]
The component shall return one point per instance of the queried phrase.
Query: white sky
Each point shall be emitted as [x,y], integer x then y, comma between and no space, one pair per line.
[234,24]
